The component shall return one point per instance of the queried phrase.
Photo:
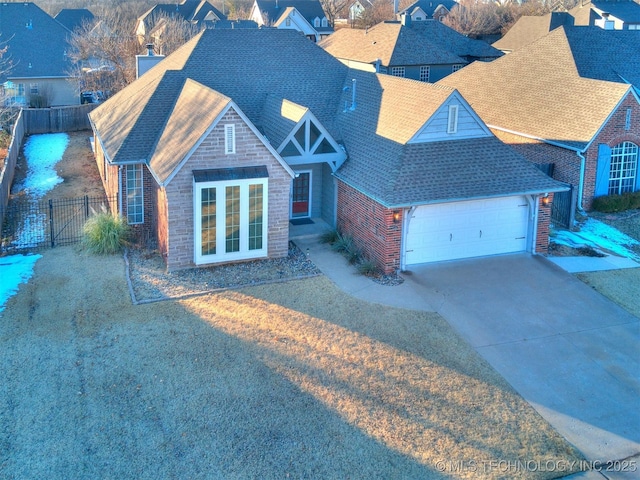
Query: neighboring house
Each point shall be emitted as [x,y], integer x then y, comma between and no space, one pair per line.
[357,8]
[608,14]
[305,16]
[73,18]
[423,10]
[529,28]
[210,166]
[196,12]
[426,51]
[567,100]
[37,50]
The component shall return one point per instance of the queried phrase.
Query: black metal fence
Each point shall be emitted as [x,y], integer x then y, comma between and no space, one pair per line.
[564,207]
[33,224]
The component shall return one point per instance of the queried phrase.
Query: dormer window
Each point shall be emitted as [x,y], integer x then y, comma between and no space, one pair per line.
[324,22]
[316,22]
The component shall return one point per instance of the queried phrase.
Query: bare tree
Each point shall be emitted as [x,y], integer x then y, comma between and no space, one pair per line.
[332,9]
[168,33]
[104,52]
[378,12]
[474,19]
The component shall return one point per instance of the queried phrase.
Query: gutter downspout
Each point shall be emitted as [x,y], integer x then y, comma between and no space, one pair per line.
[534,219]
[120,189]
[406,218]
[583,166]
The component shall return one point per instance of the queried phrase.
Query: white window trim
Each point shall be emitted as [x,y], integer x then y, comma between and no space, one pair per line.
[455,68]
[452,119]
[629,153]
[230,139]
[244,253]
[141,173]
[398,72]
[425,71]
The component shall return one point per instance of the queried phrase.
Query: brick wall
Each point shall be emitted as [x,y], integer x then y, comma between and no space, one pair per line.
[567,162]
[612,134]
[544,222]
[372,227]
[178,247]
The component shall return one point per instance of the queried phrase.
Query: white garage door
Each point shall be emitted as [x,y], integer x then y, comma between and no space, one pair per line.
[476,228]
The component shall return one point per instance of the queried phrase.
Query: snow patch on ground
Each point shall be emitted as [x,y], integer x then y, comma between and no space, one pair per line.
[14,270]
[42,153]
[599,236]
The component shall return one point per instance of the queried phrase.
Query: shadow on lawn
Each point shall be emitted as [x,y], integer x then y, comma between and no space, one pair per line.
[405,379]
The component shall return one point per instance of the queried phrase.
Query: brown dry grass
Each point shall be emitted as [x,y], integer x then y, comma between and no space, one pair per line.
[295,379]
[620,286]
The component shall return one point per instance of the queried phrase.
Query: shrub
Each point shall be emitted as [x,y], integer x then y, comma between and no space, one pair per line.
[343,243]
[330,236]
[617,203]
[368,268]
[105,233]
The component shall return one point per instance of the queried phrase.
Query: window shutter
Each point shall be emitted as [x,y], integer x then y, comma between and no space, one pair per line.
[603,170]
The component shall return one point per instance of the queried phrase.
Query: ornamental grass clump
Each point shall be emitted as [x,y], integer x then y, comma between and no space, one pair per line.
[105,233]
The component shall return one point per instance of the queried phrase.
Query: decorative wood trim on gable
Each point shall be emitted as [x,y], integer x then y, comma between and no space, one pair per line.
[309,142]
[442,126]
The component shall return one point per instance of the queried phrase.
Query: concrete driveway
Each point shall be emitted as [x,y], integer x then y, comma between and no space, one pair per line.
[570,352]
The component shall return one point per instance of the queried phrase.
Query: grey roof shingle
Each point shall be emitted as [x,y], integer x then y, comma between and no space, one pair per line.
[391,43]
[158,118]
[626,10]
[537,91]
[429,6]
[73,18]
[272,10]
[37,44]
[193,11]
[400,174]
[529,28]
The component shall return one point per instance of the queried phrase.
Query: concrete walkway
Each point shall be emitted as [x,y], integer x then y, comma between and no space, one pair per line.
[570,352]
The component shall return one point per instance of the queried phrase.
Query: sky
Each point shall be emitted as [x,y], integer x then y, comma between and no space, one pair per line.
[42,153]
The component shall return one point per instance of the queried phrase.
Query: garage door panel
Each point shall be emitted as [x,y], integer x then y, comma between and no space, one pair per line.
[467,229]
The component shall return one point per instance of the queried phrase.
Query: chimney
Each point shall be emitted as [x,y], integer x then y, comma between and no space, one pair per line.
[144,63]
[405,19]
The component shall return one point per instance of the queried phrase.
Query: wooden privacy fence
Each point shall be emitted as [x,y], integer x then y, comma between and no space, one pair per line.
[9,168]
[57,119]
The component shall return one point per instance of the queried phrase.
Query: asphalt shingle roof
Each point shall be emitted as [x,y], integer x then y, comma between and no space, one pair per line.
[189,10]
[429,6]
[391,43]
[272,10]
[73,18]
[400,174]
[37,43]
[159,117]
[529,28]
[537,91]
[626,10]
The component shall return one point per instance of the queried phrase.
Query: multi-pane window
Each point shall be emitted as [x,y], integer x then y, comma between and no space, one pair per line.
[255,217]
[135,200]
[33,88]
[231,220]
[455,68]
[624,168]
[397,71]
[208,220]
[425,70]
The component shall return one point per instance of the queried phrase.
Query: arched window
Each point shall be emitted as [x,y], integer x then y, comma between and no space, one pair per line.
[324,22]
[316,22]
[624,168]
